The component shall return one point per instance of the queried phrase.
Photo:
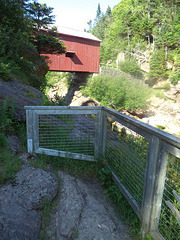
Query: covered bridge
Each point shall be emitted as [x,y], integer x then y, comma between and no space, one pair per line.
[83,50]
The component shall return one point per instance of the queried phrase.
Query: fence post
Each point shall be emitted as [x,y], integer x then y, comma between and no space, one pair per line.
[103,131]
[100,143]
[29,125]
[159,189]
[35,131]
[149,186]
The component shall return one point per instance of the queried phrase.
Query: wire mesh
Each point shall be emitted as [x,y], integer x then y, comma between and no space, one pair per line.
[126,154]
[168,224]
[71,133]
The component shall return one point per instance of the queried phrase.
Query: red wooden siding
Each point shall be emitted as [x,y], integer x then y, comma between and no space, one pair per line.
[85,57]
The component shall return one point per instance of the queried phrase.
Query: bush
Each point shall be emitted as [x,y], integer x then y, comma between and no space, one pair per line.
[6,116]
[117,92]
[132,68]
[158,65]
[175,77]
[4,72]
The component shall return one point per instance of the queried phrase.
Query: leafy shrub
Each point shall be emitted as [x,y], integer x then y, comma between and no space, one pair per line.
[6,116]
[132,68]
[3,140]
[175,77]
[9,164]
[158,65]
[117,92]
[4,72]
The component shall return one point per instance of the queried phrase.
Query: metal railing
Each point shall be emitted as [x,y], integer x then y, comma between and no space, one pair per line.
[144,161]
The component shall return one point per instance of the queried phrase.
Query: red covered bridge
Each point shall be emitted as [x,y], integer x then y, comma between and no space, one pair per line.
[83,50]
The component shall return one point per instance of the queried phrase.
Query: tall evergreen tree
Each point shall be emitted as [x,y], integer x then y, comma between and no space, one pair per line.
[40,15]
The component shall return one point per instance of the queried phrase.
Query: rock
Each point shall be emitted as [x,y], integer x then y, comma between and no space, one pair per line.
[14,144]
[79,100]
[21,200]
[19,95]
[85,213]
[32,55]
[70,207]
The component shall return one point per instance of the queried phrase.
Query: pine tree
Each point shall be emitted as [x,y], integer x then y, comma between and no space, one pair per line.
[40,15]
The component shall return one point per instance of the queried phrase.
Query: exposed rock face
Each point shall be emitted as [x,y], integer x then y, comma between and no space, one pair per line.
[20,201]
[85,213]
[14,144]
[33,56]
[19,95]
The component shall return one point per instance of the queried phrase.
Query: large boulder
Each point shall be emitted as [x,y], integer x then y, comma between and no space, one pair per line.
[19,95]
[20,201]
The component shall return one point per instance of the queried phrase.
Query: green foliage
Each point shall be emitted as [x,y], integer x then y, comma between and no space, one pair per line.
[78,168]
[47,207]
[175,77]
[3,140]
[132,68]
[121,205]
[4,72]
[40,15]
[6,117]
[158,93]
[9,164]
[169,226]
[158,65]
[118,92]
[166,86]
[47,43]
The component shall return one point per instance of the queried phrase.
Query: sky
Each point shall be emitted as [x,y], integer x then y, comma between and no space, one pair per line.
[76,13]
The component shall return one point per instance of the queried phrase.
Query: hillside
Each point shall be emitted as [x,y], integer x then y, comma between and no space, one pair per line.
[147,32]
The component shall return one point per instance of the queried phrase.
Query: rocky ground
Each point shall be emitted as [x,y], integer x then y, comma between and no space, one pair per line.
[81,211]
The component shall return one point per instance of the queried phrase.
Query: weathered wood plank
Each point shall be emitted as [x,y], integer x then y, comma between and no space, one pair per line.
[29,128]
[76,156]
[127,195]
[145,128]
[62,107]
[35,131]
[160,176]
[149,183]
[131,125]
[65,112]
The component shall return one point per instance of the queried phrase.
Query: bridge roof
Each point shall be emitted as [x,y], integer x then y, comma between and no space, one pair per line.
[77,33]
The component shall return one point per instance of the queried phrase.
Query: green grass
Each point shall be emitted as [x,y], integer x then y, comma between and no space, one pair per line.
[78,168]
[158,93]
[9,165]
[47,209]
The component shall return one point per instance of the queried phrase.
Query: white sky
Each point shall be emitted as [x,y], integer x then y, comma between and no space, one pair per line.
[76,13]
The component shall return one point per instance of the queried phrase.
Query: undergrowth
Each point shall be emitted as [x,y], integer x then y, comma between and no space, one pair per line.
[117,92]
[122,207]
[10,164]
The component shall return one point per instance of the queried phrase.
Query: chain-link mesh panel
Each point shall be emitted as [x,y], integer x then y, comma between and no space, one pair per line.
[71,133]
[126,154]
[168,224]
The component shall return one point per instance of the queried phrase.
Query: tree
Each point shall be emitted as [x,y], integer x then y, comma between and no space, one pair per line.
[40,15]
[158,65]
[46,41]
